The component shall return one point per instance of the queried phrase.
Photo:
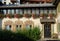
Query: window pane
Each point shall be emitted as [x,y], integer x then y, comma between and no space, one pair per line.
[54,12]
[9,11]
[25,11]
[4,11]
[45,11]
[21,11]
[41,11]
[16,11]
[37,11]
[28,26]
[12,11]
[33,11]
[8,27]
[18,27]
[50,11]
[29,11]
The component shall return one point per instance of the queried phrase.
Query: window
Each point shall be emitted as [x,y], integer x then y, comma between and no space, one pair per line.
[21,11]
[25,11]
[4,11]
[29,11]
[18,27]
[5,3]
[8,27]
[50,11]
[12,11]
[45,11]
[9,11]
[28,26]
[16,11]
[37,11]
[54,11]
[33,11]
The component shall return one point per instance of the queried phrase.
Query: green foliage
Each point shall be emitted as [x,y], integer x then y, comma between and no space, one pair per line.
[31,33]
[20,35]
[6,35]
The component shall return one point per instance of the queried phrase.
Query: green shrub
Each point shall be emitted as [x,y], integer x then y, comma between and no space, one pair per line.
[11,36]
[20,35]
[31,33]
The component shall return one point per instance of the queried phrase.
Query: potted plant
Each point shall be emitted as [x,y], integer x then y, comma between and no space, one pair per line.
[42,15]
[9,15]
[34,15]
[27,15]
[50,15]
[20,15]
[54,35]
[1,16]
[16,15]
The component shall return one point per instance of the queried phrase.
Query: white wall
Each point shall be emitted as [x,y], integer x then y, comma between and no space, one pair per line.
[7,1]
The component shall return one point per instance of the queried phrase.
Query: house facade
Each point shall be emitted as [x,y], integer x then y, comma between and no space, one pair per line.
[44,14]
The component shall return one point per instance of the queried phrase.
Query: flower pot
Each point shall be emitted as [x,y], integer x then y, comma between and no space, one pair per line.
[16,15]
[42,15]
[34,16]
[50,15]
[27,15]
[8,15]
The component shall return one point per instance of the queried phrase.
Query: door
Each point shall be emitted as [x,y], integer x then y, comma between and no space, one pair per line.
[47,30]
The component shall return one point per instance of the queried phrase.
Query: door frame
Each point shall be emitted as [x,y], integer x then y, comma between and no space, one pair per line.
[43,30]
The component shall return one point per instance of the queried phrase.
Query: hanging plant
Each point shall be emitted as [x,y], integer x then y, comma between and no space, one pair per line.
[42,15]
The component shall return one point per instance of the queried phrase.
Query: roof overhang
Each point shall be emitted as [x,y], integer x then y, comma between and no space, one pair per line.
[47,20]
[28,5]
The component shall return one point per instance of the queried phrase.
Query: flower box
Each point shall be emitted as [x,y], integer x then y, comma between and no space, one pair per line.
[27,15]
[35,15]
[54,35]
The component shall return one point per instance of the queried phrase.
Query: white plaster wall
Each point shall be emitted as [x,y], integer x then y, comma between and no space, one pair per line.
[7,2]
[36,21]
[55,27]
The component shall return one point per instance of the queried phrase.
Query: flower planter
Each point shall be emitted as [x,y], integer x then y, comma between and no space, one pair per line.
[8,15]
[50,15]
[16,15]
[27,15]
[42,15]
[20,15]
[54,36]
[1,16]
[34,16]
